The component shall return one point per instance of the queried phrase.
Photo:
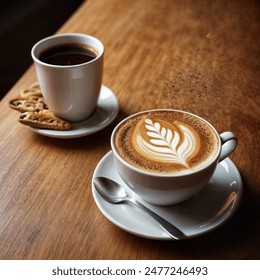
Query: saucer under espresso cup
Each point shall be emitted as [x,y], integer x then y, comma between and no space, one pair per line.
[167,156]
[105,113]
[208,210]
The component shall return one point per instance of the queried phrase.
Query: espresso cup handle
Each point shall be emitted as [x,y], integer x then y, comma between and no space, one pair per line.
[229,143]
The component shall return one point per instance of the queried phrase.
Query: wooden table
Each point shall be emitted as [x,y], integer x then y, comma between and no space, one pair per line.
[198,56]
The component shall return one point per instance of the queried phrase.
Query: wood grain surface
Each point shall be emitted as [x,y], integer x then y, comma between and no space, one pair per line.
[198,56]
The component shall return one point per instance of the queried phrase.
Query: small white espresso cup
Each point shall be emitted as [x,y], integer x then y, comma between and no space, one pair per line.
[171,187]
[71,91]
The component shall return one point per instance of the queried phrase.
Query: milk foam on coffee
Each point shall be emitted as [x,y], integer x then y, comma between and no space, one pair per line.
[166,142]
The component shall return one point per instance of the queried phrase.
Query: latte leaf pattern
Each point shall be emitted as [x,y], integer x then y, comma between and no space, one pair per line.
[176,146]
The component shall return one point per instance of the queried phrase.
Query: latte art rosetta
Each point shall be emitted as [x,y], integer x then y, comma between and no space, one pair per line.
[163,141]
[166,142]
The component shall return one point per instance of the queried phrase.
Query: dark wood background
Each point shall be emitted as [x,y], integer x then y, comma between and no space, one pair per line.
[22,24]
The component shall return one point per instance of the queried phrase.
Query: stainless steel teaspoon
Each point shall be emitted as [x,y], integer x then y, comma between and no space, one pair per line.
[115,193]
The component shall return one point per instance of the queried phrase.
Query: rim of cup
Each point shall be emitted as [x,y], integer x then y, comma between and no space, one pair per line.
[53,40]
[145,172]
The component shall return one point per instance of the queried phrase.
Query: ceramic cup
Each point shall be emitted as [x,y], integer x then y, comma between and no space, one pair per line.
[71,91]
[168,156]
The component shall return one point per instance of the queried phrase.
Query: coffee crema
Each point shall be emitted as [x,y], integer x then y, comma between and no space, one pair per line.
[166,141]
[68,54]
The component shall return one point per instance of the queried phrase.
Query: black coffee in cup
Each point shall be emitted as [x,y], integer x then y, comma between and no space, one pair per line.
[68,54]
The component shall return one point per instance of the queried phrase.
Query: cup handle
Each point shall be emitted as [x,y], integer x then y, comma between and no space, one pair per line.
[228,142]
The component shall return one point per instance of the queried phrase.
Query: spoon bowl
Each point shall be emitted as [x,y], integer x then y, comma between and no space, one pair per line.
[110,190]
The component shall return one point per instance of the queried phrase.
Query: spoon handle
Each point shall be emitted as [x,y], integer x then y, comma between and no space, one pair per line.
[172,230]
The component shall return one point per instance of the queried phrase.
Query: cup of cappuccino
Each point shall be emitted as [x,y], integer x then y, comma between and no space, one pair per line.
[167,156]
[69,69]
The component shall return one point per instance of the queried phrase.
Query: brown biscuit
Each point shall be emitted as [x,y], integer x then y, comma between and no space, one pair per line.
[44,119]
[31,91]
[31,104]
[35,112]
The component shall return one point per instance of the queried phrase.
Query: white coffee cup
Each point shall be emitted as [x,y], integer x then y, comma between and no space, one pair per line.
[171,188]
[71,91]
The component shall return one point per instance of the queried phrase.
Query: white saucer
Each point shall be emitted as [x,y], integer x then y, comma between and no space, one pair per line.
[205,212]
[106,112]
